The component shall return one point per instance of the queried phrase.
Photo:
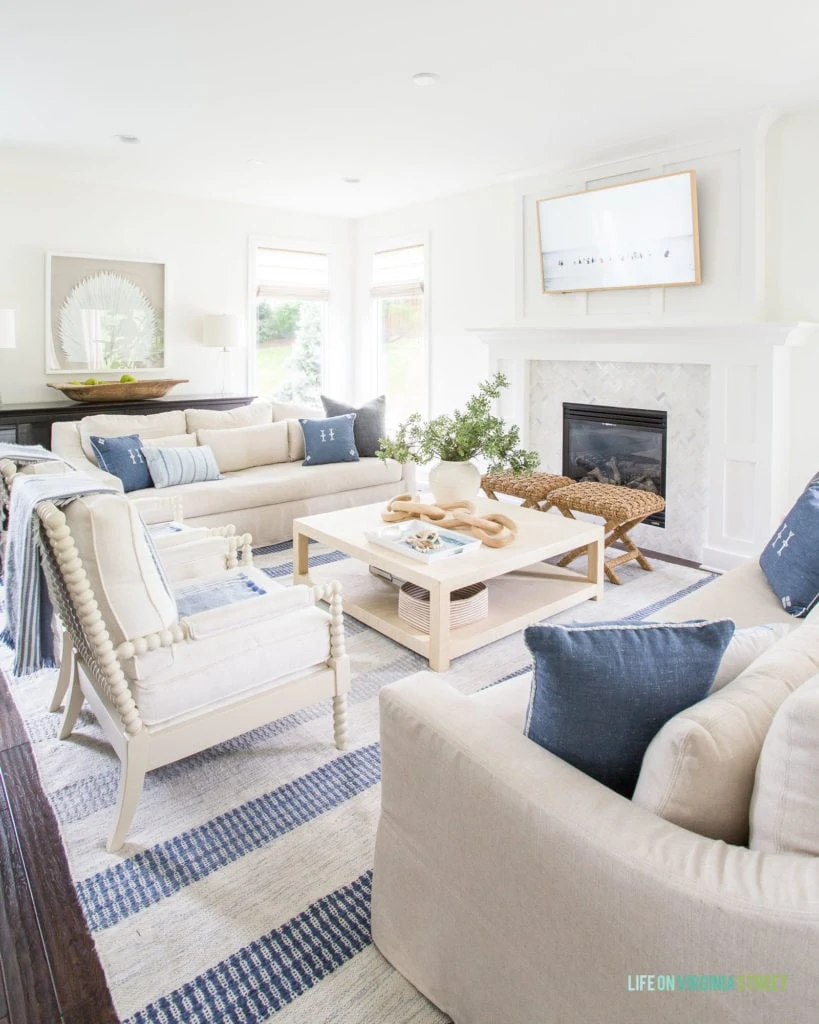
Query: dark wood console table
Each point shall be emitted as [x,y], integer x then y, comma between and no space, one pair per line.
[31,423]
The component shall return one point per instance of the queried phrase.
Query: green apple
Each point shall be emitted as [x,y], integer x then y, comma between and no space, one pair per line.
[91,380]
[126,378]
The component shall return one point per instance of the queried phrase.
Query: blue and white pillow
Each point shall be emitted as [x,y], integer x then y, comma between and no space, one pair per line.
[330,440]
[790,559]
[124,457]
[600,693]
[172,466]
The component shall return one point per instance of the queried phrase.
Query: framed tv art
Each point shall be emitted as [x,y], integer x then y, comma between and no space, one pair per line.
[643,234]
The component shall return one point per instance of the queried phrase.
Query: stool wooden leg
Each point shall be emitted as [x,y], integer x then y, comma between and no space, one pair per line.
[489,492]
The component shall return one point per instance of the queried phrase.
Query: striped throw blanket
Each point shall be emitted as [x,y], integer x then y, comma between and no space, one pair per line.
[28,608]
[26,453]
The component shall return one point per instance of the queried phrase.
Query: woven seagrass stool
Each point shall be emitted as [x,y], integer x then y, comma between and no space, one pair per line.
[623,508]
[534,488]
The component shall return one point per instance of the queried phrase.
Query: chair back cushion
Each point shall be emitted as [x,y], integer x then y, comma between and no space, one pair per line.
[245,447]
[227,419]
[127,583]
[699,769]
[159,424]
[785,803]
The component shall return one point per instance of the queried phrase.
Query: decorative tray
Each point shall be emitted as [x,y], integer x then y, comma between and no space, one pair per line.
[401,537]
[117,390]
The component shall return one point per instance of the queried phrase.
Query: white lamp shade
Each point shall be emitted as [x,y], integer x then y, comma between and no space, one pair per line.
[7,337]
[223,331]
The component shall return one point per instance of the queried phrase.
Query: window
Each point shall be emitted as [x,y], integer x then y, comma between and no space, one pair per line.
[398,313]
[292,297]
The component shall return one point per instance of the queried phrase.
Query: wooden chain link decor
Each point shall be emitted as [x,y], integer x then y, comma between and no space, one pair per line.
[494,530]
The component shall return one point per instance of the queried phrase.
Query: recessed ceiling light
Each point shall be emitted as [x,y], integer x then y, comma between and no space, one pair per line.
[424,78]
[129,140]
[351,181]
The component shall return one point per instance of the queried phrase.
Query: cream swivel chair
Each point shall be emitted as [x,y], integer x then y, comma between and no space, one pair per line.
[163,686]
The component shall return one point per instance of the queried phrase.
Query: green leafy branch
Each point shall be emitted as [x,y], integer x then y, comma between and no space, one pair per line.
[463,435]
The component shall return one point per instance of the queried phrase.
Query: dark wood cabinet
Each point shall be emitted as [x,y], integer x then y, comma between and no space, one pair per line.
[31,423]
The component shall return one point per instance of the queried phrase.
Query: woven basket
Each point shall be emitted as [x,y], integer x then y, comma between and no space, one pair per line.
[466,605]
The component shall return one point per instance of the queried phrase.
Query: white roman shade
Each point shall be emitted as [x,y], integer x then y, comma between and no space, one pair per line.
[398,273]
[291,274]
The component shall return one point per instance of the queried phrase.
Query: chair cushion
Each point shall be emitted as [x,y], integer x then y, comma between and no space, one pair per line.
[171,467]
[370,422]
[126,580]
[699,769]
[226,419]
[244,447]
[329,440]
[158,424]
[790,560]
[600,693]
[508,700]
[205,674]
[785,801]
[124,458]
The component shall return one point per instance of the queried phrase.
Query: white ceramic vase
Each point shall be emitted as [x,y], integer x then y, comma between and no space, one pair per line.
[454,481]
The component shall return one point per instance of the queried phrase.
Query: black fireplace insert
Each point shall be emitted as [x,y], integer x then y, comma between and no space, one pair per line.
[610,445]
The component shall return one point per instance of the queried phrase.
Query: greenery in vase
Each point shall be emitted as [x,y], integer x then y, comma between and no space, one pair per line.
[463,435]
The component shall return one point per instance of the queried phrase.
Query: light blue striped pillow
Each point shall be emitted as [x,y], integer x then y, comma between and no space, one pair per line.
[171,466]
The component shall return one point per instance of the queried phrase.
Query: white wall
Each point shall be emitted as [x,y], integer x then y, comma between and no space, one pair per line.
[471,244]
[793,270]
[204,245]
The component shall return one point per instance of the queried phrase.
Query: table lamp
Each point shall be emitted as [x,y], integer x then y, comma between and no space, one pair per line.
[223,331]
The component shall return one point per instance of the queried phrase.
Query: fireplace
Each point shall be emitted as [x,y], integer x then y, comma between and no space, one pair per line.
[610,445]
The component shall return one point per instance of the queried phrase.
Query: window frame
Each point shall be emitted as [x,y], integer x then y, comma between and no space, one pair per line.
[388,245]
[332,334]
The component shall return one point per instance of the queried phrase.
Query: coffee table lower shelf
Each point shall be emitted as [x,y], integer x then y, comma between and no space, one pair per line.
[516,599]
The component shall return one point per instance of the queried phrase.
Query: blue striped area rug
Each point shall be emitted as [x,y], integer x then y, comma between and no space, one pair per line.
[243,892]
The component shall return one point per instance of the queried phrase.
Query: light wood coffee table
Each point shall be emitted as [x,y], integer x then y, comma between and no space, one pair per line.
[522,589]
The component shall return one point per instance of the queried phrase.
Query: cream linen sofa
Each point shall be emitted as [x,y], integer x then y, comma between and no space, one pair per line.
[261,499]
[510,888]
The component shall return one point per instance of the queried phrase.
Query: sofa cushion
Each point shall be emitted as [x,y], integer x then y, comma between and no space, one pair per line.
[370,421]
[329,440]
[743,594]
[283,482]
[172,441]
[699,769]
[123,573]
[508,700]
[124,458]
[226,419]
[158,424]
[745,647]
[600,693]
[171,467]
[292,412]
[245,447]
[790,559]
[785,801]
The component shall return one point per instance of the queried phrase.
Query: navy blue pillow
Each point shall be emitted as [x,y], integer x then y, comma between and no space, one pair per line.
[124,457]
[330,440]
[790,559]
[600,693]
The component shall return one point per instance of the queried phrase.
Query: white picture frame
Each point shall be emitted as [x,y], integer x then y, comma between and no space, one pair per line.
[103,314]
[643,234]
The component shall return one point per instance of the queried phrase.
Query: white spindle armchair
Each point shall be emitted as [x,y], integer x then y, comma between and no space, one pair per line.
[164,687]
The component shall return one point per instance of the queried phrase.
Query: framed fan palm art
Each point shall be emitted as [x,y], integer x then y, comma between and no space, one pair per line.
[104,314]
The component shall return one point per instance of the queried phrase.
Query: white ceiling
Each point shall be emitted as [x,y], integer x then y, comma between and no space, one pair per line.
[321,89]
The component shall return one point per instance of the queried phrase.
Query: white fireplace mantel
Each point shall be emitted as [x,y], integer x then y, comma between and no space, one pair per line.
[749,391]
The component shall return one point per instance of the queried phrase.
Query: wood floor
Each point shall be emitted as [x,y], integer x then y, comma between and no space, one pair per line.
[50,971]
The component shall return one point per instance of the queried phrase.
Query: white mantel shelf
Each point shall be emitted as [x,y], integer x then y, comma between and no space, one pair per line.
[526,339]
[747,432]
